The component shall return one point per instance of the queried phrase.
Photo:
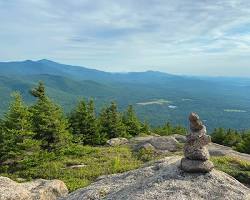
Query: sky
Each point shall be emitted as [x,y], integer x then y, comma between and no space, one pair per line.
[192,37]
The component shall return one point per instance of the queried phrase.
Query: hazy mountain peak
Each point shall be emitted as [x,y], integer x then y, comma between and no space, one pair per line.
[46,61]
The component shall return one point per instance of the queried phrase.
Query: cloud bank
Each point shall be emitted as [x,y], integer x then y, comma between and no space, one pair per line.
[209,37]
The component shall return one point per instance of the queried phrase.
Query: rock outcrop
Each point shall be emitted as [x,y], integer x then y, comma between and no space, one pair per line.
[117,141]
[195,151]
[161,144]
[35,190]
[164,180]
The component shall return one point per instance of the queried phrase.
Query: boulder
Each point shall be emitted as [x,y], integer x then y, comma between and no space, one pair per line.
[194,166]
[160,144]
[148,146]
[164,180]
[117,141]
[35,190]
[180,138]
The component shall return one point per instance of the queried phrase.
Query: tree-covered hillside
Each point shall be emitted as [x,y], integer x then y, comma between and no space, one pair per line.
[157,97]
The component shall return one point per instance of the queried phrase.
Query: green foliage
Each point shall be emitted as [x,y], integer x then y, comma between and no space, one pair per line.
[132,123]
[235,167]
[244,144]
[35,142]
[236,140]
[97,160]
[16,132]
[83,123]
[110,123]
[146,155]
[168,129]
[48,121]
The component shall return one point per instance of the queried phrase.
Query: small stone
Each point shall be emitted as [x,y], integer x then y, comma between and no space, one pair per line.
[195,122]
[196,166]
[196,154]
[117,141]
[148,147]
[77,166]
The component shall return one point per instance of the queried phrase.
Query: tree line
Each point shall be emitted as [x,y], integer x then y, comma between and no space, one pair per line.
[27,130]
[43,127]
[238,140]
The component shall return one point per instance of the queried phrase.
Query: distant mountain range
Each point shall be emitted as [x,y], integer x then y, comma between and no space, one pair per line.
[158,97]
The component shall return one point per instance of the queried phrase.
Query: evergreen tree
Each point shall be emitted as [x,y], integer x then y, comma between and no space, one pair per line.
[145,128]
[232,138]
[49,123]
[16,134]
[218,135]
[110,122]
[83,123]
[132,123]
[77,121]
[93,135]
[244,144]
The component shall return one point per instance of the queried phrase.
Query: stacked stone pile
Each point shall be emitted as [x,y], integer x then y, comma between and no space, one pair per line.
[195,151]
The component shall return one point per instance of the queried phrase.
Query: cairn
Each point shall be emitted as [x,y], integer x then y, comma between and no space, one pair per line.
[195,151]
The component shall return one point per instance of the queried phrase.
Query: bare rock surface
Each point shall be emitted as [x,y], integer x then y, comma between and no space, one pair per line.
[159,143]
[220,150]
[117,141]
[164,180]
[35,190]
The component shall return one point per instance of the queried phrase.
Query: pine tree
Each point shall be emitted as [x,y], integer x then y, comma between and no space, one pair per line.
[244,144]
[132,123]
[110,123]
[145,128]
[83,123]
[218,135]
[49,123]
[77,121]
[17,134]
[93,134]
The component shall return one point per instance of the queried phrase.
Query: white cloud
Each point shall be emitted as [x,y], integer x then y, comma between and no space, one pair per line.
[194,37]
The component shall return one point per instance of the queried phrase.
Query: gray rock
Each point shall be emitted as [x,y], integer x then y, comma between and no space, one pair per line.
[164,180]
[196,166]
[35,190]
[195,122]
[180,138]
[195,151]
[117,141]
[148,146]
[220,150]
[77,166]
[161,144]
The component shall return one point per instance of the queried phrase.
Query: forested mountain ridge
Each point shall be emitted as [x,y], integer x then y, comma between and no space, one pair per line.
[157,97]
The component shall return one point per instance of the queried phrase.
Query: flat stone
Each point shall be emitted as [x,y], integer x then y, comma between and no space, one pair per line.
[193,153]
[77,166]
[117,141]
[196,166]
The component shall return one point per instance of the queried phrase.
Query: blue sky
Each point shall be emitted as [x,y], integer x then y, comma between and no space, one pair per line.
[198,37]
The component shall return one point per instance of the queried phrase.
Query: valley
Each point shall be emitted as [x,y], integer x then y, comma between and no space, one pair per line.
[157,97]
